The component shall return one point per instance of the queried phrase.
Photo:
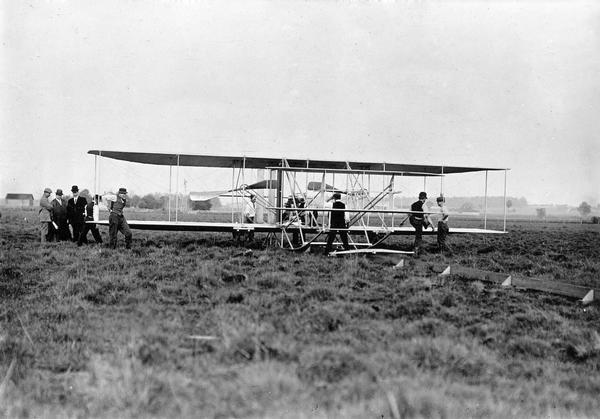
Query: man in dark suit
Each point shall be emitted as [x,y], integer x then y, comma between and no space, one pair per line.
[59,216]
[419,221]
[337,223]
[76,212]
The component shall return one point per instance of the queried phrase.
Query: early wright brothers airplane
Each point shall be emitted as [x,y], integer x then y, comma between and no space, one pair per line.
[372,214]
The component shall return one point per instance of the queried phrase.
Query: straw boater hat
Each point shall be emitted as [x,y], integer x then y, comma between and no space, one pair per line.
[47,190]
[123,191]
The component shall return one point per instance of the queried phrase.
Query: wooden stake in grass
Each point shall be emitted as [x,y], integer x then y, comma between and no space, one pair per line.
[588,298]
[391,399]
[445,272]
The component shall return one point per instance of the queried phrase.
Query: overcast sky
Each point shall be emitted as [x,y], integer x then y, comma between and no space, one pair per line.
[497,84]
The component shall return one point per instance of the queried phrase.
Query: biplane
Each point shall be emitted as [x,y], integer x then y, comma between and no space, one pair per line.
[291,197]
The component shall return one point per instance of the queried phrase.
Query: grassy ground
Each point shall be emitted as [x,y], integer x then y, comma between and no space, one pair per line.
[94,332]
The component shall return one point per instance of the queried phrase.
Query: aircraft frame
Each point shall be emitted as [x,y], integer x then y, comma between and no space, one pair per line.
[369,224]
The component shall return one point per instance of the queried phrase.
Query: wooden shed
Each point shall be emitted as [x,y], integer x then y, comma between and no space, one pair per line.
[19,199]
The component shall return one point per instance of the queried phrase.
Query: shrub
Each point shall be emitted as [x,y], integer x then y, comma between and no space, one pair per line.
[319,294]
[323,319]
[329,365]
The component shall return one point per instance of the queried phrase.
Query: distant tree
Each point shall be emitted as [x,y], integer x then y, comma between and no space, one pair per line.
[522,202]
[541,212]
[509,204]
[150,202]
[584,208]
[200,205]
[164,199]
[135,200]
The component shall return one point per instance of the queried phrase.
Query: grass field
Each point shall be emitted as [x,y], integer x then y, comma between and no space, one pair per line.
[190,325]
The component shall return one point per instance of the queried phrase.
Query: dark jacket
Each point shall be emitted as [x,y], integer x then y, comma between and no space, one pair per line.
[59,210]
[338,218]
[75,212]
[417,206]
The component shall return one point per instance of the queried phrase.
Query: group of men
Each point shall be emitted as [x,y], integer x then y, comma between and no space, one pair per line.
[339,223]
[419,218]
[57,214]
[420,221]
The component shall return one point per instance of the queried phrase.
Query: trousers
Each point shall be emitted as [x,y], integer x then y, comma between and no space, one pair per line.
[77,229]
[331,237]
[417,223]
[118,223]
[95,232]
[44,229]
[442,235]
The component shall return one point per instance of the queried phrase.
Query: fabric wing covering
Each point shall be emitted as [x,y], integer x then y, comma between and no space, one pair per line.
[195,160]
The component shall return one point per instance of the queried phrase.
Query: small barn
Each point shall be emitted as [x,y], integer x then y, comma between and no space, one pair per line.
[19,200]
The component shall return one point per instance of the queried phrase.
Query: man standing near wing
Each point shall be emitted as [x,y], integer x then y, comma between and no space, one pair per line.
[442,230]
[337,224]
[418,221]
[250,215]
[116,219]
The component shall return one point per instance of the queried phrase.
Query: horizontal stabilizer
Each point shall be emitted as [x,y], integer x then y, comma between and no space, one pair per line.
[205,196]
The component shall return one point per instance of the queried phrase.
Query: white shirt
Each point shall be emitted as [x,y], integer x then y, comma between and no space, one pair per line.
[444,213]
[249,210]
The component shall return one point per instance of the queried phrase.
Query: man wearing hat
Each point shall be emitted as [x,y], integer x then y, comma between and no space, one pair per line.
[59,216]
[418,221]
[116,219]
[442,230]
[76,212]
[45,215]
[337,223]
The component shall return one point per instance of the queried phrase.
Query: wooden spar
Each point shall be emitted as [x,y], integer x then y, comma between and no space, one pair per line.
[100,171]
[240,208]
[485,202]
[279,196]
[243,206]
[372,172]
[95,175]
[232,188]
[391,204]
[368,197]
[177,190]
[209,226]
[270,217]
[323,179]
[170,175]
[504,226]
